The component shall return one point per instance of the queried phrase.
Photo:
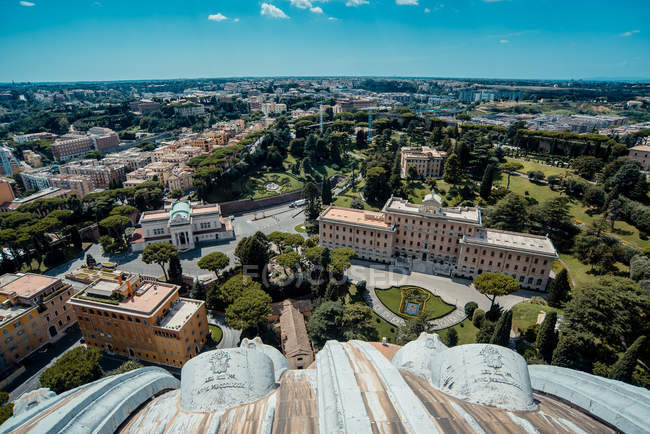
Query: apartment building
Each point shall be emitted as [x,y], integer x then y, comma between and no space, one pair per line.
[26,138]
[132,159]
[185,109]
[144,106]
[37,179]
[33,312]
[103,138]
[8,161]
[79,185]
[438,240]
[183,224]
[429,162]
[70,146]
[641,154]
[101,173]
[142,319]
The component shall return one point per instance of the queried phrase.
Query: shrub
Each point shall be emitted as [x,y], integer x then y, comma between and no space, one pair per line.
[538,300]
[451,339]
[6,411]
[478,317]
[470,307]
[75,368]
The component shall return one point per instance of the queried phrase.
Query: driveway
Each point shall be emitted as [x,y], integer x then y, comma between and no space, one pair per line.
[454,291]
[230,337]
[282,218]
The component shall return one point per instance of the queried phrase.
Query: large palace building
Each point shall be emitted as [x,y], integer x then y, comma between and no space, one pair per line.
[183,224]
[431,239]
[141,319]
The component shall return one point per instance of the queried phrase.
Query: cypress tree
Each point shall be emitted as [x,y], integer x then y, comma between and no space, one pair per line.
[624,367]
[451,340]
[501,335]
[486,182]
[326,192]
[559,289]
[175,270]
[565,352]
[546,337]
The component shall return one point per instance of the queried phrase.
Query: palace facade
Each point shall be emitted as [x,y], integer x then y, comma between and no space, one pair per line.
[434,239]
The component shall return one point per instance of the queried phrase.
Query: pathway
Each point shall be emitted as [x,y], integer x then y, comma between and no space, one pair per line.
[231,337]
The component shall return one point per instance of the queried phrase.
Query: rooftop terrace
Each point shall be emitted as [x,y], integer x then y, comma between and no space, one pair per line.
[512,240]
[356,216]
[26,285]
[181,311]
[466,215]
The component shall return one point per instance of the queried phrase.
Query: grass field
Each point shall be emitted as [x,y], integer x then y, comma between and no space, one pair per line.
[466,332]
[433,308]
[525,314]
[216,333]
[255,187]
[545,169]
[384,328]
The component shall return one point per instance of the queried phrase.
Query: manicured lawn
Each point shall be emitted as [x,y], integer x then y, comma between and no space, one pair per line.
[346,197]
[417,191]
[433,308]
[384,328]
[525,314]
[216,333]
[256,186]
[466,332]
[521,185]
[547,170]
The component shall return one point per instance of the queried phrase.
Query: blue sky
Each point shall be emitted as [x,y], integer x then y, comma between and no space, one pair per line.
[71,40]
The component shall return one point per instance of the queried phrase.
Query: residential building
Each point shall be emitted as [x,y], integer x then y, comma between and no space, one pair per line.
[433,239]
[8,161]
[273,108]
[100,172]
[70,146]
[188,109]
[429,162]
[26,138]
[173,176]
[296,345]
[103,138]
[132,159]
[641,154]
[79,185]
[144,106]
[33,312]
[32,158]
[37,179]
[141,318]
[6,190]
[183,224]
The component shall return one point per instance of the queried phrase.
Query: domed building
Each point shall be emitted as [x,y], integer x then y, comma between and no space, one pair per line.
[353,387]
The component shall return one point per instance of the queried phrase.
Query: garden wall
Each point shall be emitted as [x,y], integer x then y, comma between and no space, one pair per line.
[243,205]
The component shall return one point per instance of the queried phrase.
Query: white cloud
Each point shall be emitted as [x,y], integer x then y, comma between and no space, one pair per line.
[272,11]
[407,2]
[427,10]
[27,4]
[355,3]
[316,10]
[217,17]
[332,19]
[504,41]
[236,20]
[301,4]
[628,34]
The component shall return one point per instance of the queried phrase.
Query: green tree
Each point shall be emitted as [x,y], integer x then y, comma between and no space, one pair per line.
[215,262]
[357,322]
[90,261]
[231,290]
[175,270]
[587,166]
[535,175]
[377,189]
[412,173]
[75,368]
[159,253]
[326,192]
[129,365]
[115,225]
[198,291]
[624,367]
[253,255]
[311,195]
[559,289]
[123,210]
[288,260]
[486,183]
[325,323]
[411,330]
[6,411]
[509,214]
[453,171]
[451,338]
[547,337]
[469,308]
[510,167]
[249,310]
[4,397]
[495,284]
[501,335]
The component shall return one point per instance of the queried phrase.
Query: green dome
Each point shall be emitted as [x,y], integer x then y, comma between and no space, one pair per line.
[180,208]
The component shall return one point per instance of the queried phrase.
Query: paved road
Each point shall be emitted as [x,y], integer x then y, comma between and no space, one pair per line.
[453,291]
[231,337]
[40,361]
[282,218]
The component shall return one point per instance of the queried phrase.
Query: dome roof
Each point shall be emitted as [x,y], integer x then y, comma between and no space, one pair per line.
[181,209]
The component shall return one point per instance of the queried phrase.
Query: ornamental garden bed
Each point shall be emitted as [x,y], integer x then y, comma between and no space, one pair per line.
[411,301]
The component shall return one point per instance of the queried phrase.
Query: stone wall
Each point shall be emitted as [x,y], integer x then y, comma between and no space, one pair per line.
[243,205]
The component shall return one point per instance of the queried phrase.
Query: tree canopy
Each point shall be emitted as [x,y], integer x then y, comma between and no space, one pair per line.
[215,262]
[159,253]
[75,368]
[495,284]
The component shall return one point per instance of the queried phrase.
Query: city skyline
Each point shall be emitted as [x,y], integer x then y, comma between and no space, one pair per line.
[98,41]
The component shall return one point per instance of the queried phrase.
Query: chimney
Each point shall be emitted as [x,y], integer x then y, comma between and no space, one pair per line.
[383,341]
[128,285]
[119,278]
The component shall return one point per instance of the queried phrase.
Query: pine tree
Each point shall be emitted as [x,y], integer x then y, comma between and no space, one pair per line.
[175,270]
[486,182]
[546,337]
[624,367]
[326,192]
[501,335]
[559,289]
[198,291]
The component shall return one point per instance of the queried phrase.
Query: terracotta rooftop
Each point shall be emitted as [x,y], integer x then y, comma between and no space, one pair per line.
[28,285]
[356,216]
[294,332]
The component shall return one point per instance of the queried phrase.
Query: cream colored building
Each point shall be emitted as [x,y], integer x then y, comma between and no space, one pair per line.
[433,239]
[429,162]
